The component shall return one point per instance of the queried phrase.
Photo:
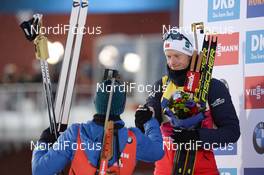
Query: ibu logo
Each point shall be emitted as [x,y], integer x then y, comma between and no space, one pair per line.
[255,46]
[228,171]
[220,10]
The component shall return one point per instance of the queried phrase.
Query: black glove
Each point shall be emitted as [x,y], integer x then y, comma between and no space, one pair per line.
[185,136]
[142,115]
[48,137]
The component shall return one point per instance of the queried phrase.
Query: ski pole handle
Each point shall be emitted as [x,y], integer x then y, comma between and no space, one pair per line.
[41,47]
[195,26]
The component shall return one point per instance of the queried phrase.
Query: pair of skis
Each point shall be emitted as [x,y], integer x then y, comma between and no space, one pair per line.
[70,63]
[198,82]
[60,109]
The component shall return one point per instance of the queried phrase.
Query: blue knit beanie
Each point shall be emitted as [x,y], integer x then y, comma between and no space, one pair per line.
[102,95]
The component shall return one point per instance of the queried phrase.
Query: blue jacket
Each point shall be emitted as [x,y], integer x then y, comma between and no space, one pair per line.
[48,161]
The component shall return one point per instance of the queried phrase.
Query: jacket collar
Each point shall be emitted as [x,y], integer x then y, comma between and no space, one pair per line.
[177,76]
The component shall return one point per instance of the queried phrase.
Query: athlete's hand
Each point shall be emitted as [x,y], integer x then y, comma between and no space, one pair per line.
[48,137]
[142,115]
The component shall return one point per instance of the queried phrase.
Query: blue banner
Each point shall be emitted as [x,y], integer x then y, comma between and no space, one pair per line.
[227,171]
[255,8]
[255,46]
[220,10]
[95,6]
[230,149]
[253,171]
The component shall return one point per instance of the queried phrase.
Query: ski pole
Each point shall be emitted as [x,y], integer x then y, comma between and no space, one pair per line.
[107,148]
[41,52]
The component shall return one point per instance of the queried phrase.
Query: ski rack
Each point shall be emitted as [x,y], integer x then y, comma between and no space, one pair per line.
[70,63]
[42,54]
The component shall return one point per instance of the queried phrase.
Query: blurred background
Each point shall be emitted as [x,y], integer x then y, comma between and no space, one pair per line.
[125,35]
